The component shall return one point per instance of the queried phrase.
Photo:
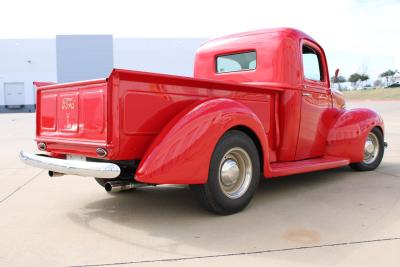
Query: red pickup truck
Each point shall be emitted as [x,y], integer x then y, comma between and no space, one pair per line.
[259,105]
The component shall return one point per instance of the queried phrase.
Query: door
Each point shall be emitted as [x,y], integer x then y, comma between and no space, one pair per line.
[316,104]
[14,94]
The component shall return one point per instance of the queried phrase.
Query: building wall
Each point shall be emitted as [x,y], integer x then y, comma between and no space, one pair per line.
[170,56]
[83,57]
[28,60]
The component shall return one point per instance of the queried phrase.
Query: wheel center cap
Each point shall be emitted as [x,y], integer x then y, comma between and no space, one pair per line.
[229,172]
[369,147]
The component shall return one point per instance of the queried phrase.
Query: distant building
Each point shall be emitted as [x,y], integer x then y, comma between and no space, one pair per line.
[83,57]
[21,63]
[69,58]
[352,86]
[396,77]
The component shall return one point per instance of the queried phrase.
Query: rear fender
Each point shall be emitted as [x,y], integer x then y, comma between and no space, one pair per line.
[348,134]
[181,153]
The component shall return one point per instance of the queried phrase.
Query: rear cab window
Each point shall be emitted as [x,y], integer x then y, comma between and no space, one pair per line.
[236,62]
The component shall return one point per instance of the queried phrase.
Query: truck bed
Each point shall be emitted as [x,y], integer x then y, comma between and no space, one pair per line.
[126,111]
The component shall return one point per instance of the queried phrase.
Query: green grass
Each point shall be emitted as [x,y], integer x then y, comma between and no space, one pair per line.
[373,94]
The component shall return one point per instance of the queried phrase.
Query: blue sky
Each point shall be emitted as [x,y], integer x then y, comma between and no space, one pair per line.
[357,35]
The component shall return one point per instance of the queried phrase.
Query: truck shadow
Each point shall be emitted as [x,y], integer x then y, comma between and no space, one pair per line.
[167,219]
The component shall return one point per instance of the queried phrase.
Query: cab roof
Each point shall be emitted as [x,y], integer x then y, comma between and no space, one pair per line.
[281,30]
[278,57]
[292,32]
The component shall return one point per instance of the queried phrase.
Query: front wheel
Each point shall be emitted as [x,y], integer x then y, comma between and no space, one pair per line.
[233,175]
[373,152]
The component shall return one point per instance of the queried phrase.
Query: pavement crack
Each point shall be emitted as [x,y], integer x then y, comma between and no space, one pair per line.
[389,174]
[245,253]
[20,187]
[15,119]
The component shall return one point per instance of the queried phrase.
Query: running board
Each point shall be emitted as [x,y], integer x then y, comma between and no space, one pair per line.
[306,165]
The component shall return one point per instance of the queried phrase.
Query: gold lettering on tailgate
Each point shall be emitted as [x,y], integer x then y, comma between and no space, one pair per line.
[68,103]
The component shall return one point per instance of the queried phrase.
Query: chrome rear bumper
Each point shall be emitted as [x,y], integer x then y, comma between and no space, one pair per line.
[103,170]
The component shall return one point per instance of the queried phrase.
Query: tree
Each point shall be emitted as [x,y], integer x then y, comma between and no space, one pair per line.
[387,74]
[363,78]
[339,80]
[354,78]
[377,83]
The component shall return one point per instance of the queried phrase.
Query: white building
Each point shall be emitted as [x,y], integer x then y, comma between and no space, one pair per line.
[396,77]
[23,61]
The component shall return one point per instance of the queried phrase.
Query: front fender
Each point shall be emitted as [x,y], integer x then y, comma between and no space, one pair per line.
[348,134]
[181,153]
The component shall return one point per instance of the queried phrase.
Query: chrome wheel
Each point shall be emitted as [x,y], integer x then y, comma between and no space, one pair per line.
[235,173]
[371,148]
[373,151]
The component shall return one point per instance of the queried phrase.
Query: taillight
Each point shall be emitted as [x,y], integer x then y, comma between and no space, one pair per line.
[42,146]
[101,152]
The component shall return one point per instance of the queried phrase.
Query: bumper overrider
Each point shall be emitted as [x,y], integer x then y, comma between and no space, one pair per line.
[103,170]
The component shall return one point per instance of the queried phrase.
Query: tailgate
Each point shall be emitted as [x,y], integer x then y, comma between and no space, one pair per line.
[72,114]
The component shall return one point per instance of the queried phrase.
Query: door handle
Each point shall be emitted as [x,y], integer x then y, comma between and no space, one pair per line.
[306,94]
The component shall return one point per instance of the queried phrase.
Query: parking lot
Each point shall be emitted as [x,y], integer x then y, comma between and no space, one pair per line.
[330,218]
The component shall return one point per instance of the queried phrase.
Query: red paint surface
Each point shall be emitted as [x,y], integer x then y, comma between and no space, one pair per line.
[171,124]
[307,165]
[184,147]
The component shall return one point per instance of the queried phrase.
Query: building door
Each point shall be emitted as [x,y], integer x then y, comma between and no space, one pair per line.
[14,94]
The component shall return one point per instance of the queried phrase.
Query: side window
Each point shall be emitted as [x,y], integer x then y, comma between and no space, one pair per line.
[252,64]
[312,64]
[236,62]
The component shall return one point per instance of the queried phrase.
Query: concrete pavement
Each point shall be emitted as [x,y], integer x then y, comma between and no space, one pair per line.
[331,218]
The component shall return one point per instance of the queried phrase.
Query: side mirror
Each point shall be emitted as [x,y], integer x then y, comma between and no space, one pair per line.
[336,75]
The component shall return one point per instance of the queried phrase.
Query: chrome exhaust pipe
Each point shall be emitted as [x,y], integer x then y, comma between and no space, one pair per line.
[118,186]
[55,174]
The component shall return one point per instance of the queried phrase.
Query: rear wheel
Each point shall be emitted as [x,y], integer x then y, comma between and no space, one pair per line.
[373,152]
[233,175]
